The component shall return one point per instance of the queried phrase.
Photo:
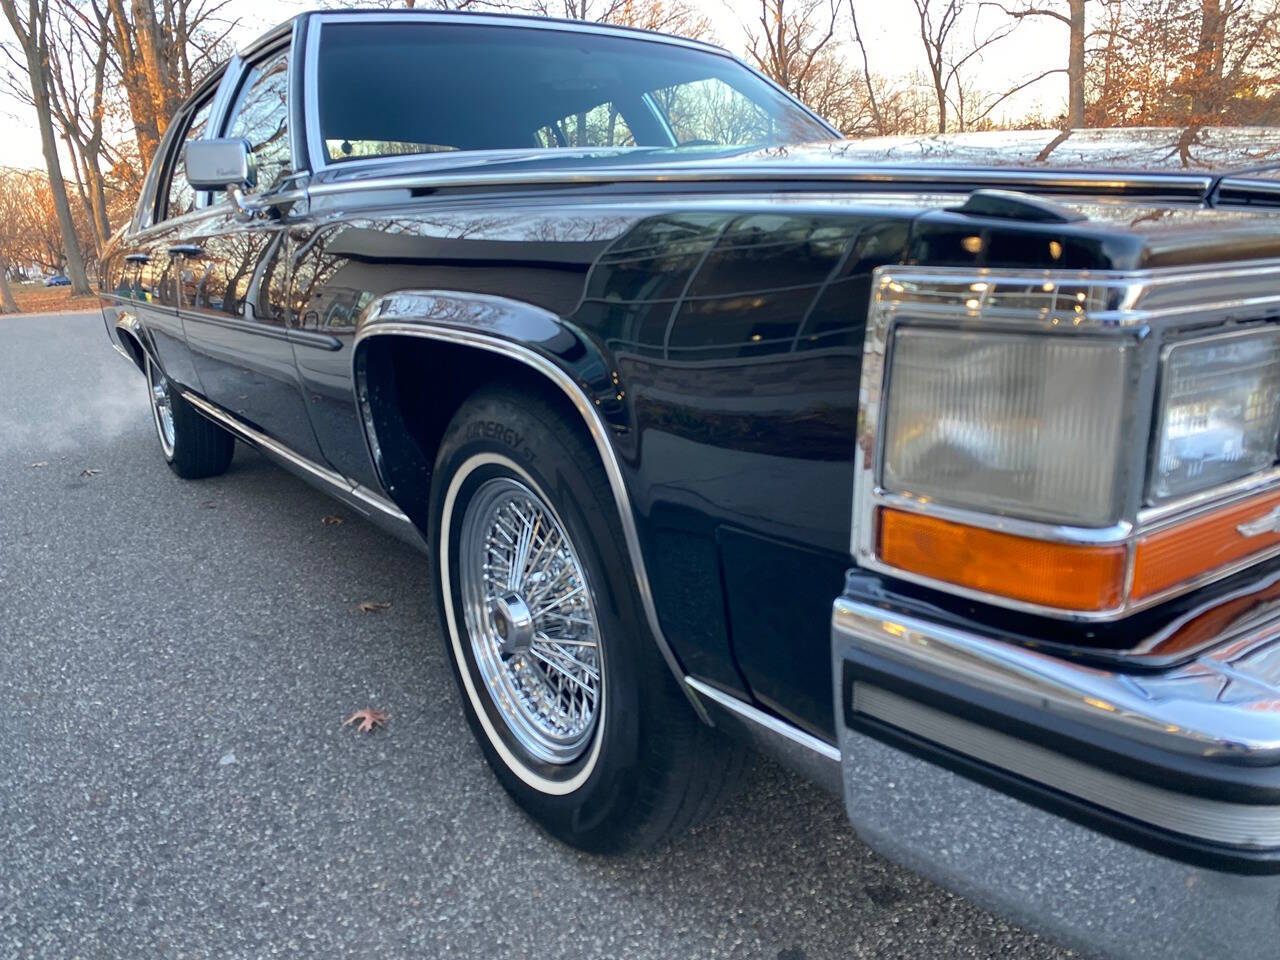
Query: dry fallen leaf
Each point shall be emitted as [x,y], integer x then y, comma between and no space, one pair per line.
[370,606]
[41,463]
[90,472]
[333,520]
[366,719]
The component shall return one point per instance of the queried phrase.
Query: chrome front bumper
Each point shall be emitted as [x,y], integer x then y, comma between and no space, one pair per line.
[1133,812]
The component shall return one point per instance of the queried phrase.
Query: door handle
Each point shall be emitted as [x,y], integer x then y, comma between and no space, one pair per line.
[186,250]
[137,257]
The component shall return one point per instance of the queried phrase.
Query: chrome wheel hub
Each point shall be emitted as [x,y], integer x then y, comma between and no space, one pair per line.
[161,406]
[530,619]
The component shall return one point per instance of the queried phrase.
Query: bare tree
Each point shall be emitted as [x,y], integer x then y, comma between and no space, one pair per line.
[77,81]
[954,41]
[668,16]
[31,28]
[873,105]
[161,53]
[1072,14]
[788,38]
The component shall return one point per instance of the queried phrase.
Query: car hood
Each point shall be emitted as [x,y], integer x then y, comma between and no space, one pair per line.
[1218,150]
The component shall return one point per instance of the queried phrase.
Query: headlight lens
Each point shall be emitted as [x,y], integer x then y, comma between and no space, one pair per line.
[1022,425]
[1221,412]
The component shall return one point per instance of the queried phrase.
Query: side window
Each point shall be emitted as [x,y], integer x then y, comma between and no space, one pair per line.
[180,198]
[601,126]
[709,111]
[261,116]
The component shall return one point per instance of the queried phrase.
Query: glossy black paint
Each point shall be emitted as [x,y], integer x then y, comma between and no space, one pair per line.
[717,328]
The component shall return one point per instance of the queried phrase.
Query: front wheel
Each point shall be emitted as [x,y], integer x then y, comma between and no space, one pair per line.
[566,691]
[192,445]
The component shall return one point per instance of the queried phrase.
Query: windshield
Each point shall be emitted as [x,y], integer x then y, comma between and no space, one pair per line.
[391,88]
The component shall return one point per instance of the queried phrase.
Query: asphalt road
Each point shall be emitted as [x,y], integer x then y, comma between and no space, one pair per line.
[176,661]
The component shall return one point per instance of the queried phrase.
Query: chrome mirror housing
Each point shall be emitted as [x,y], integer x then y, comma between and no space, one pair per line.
[223,164]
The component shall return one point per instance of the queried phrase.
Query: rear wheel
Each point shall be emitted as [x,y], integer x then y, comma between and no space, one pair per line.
[192,445]
[568,695]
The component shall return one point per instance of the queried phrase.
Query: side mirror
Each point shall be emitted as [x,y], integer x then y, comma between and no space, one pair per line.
[219,164]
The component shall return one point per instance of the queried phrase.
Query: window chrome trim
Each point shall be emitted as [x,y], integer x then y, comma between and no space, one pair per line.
[1143,305]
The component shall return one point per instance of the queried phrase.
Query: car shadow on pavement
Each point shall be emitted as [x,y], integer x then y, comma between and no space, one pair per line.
[777,873]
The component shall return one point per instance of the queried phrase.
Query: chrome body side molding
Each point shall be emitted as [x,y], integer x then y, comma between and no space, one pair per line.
[804,753]
[368,504]
[401,314]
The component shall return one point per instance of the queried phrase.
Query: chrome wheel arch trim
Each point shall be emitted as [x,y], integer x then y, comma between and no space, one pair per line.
[374,325]
[128,325]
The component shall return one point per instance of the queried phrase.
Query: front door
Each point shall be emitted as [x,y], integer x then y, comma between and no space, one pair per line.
[233,278]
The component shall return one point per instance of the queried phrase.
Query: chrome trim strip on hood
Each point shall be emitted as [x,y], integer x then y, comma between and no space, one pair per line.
[1187,186]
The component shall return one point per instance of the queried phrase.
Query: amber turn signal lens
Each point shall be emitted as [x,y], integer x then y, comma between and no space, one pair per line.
[1058,575]
[1184,552]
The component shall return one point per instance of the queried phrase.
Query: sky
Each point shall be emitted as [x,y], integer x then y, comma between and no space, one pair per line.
[889,26]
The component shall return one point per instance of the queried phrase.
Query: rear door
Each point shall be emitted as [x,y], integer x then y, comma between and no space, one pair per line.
[233,289]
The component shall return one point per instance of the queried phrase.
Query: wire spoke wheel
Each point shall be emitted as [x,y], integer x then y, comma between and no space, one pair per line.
[531,621]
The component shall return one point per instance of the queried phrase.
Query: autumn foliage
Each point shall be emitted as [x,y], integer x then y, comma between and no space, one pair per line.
[108,75]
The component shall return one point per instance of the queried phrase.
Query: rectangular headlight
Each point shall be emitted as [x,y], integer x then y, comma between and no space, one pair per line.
[1220,412]
[1023,425]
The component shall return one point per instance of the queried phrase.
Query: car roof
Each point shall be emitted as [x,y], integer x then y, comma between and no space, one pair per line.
[492,18]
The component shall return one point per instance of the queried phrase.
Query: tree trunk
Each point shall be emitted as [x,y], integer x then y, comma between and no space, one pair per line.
[98,197]
[156,68]
[133,77]
[1206,91]
[58,187]
[7,303]
[34,44]
[1075,65]
[940,92]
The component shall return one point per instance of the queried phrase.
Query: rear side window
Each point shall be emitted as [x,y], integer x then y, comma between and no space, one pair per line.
[180,198]
[394,87]
[261,116]
[710,111]
[601,126]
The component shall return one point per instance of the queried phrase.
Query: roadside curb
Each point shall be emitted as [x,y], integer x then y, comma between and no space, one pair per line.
[84,311]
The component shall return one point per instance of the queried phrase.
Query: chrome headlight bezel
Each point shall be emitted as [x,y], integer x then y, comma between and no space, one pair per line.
[1150,311]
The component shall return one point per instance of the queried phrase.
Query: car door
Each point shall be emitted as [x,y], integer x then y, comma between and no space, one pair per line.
[232,280]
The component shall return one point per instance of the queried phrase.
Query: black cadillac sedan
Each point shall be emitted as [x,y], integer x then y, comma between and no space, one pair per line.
[946,471]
